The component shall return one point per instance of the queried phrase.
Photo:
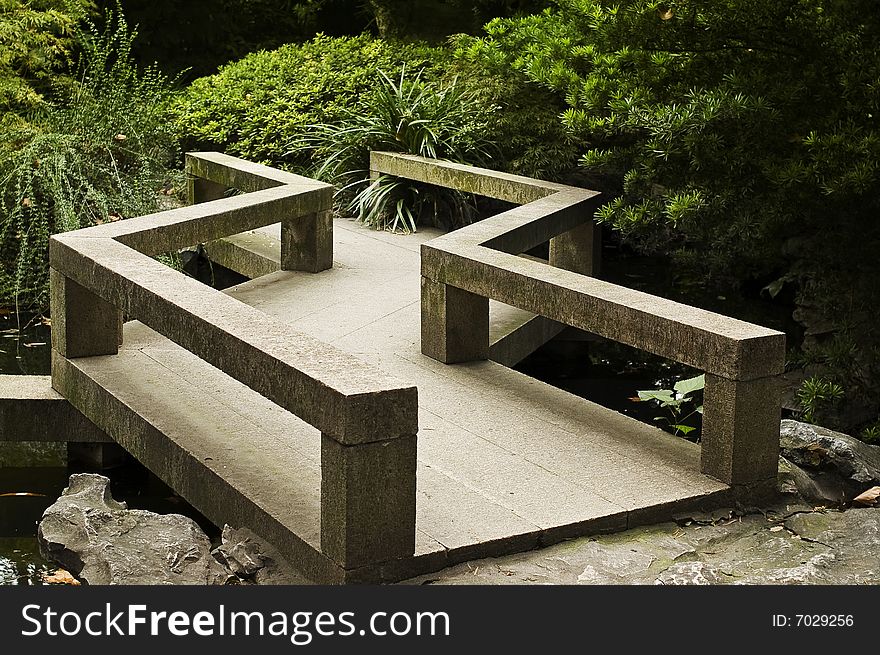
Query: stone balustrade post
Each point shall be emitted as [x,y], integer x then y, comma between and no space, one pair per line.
[83,324]
[455,323]
[307,242]
[740,436]
[368,500]
[578,250]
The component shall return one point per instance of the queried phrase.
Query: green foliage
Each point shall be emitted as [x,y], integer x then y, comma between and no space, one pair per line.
[741,135]
[254,108]
[100,155]
[871,434]
[36,44]
[522,118]
[677,401]
[408,115]
[816,395]
[434,20]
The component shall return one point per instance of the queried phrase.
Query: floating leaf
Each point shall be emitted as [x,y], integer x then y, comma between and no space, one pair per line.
[684,387]
[60,576]
[662,395]
[869,497]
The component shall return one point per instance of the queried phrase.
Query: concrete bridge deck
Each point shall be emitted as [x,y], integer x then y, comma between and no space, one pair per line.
[505,462]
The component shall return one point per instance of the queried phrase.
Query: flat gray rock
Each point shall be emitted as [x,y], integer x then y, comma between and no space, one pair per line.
[789,544]
[102,542]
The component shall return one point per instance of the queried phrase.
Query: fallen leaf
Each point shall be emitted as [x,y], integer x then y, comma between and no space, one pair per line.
[120,137]
[665,13]
[870,497]
[60,576]
[113,217]
[25,202]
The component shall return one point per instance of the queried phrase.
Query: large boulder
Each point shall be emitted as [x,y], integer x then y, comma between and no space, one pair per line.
[831,457]
[102,542]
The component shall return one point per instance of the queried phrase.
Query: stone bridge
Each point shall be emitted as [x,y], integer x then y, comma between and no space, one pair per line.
[353,403]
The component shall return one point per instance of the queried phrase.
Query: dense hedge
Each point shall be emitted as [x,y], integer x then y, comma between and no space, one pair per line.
[253,108]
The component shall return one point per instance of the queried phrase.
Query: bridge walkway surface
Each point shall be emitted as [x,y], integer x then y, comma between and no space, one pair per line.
[505,462]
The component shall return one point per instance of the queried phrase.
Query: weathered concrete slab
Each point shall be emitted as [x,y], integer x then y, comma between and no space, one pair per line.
[31,410]
[506,444]
[514,334]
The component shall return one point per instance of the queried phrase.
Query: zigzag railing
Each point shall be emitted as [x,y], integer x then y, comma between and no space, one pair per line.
[368,421]
[462,270]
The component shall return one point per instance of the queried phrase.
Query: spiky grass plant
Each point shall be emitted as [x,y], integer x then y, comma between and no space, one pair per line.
[405,115]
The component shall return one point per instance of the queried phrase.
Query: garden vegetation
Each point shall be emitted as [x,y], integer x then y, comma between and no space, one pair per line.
[739,138]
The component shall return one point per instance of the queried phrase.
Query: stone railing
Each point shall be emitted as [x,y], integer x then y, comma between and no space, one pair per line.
[368,421]
[462,270]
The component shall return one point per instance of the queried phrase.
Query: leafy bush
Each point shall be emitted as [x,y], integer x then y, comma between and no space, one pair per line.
[255,107]
[101,155]
[676,402]
[743,135]
[522,117]
[36,44]
[816,395]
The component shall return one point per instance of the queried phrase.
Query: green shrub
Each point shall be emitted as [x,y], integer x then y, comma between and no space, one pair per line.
[255,107]
[100,155]
[36,44]
[522,117]
[742,134]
